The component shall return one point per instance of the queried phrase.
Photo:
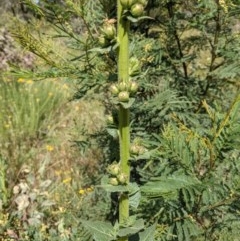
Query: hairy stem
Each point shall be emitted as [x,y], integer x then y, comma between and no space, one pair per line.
[124,130]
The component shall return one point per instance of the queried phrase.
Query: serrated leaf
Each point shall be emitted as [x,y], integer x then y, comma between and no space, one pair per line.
[147,234]
[136,227]
[113,132]
[101,231]
[134,199]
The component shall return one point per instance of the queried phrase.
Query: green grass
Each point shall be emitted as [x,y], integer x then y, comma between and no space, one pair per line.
[38,159]
[28,111]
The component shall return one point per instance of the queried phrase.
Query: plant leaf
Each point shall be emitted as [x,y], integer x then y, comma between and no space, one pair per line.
[135,195]
[148,233]
[101,231]
[136,227]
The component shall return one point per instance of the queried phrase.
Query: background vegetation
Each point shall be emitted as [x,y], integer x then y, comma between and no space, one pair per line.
[54,140]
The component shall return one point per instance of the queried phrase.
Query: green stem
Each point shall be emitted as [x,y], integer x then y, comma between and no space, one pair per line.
[124,130]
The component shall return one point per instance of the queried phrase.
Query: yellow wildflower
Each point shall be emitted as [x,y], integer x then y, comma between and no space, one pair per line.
[81,191]
[90,189]
[67,180]
[20,80]
[147,47]
[224,5]
[58,172]
[29,81]
[50,94]
[49,148]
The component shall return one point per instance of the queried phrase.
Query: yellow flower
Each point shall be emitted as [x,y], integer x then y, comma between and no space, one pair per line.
[67,180]
[50,94]
[224,5]
[147,47]
[81,191]
[90,189]
[58,172]
[49,148]
[20,80]
[29,81]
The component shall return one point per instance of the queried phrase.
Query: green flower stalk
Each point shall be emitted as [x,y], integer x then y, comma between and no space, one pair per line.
[124,129]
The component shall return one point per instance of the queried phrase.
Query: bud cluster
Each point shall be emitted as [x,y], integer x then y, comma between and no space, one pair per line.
[137,148]
[116,176]
[123,90]
[136,7]
[108,33]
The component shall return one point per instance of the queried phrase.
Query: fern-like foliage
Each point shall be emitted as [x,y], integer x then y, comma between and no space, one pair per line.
[205,187]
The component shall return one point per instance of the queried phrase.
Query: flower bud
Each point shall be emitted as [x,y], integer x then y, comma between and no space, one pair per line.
[109,31]
[113,169]
[122,86]
[114,89]
[123,96]
[133,87]
[103,41]
[141,150]
[127,3]
[113,181]
[137,10]
[110,119]
[134,149]
[122,178]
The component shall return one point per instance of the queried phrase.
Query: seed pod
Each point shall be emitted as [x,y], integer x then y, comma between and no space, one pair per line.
[122,178]
[141,150]
[127,3]
[109,31]
[110,119]
[134,149]
[123,86]
[133,87]
[123,96]
[137,10]
[113,169]
[114,89]
[103,41]
[113,181]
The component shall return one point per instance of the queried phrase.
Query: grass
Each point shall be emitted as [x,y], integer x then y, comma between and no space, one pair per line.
[45,180]
[28,113]
[39,161]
